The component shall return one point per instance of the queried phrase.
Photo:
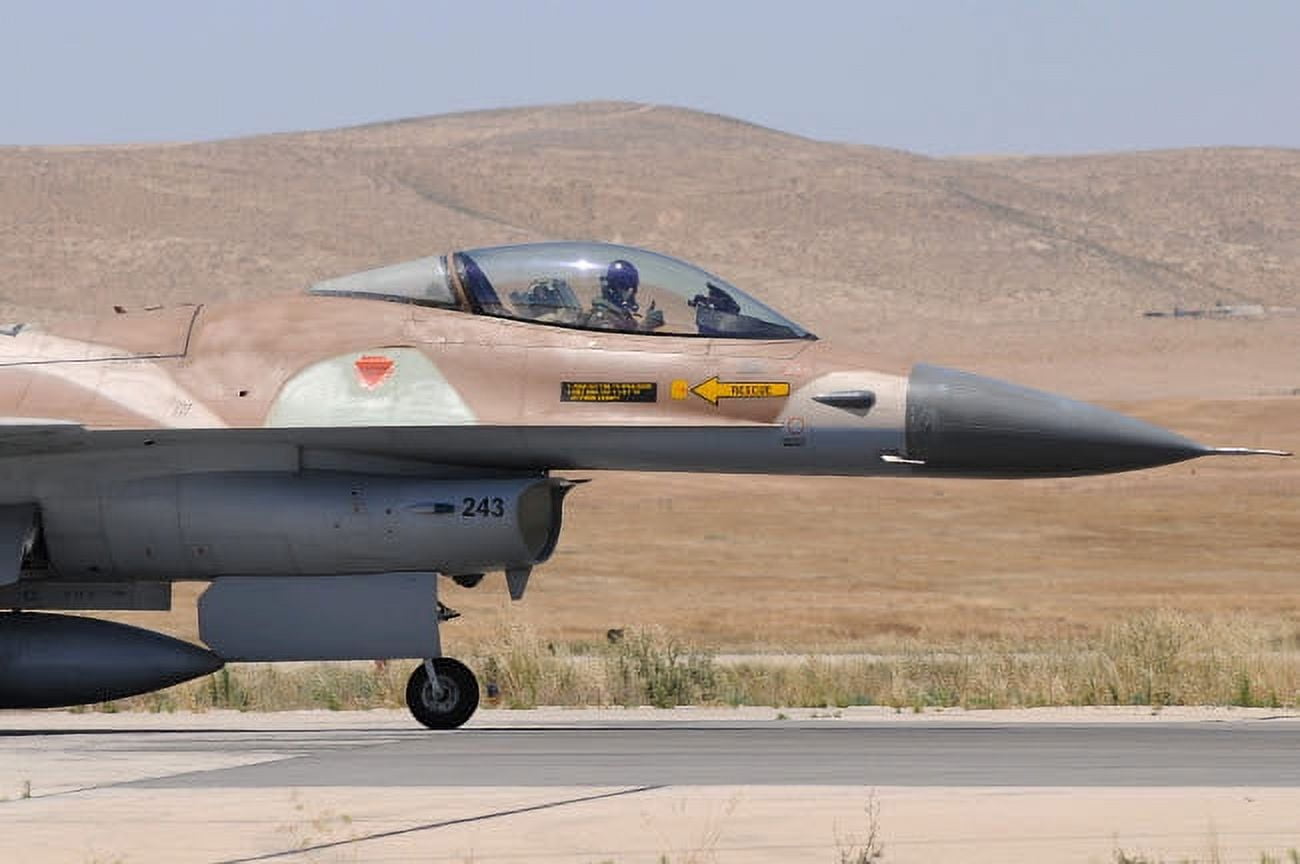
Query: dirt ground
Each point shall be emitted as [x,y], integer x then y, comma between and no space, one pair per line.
[764,563]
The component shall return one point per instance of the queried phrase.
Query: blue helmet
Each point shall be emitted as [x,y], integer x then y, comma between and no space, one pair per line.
[619,285]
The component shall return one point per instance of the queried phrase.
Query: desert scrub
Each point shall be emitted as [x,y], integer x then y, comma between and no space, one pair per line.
[282,687]
[528,671]
[651,667]
[1154,658]
[1166,657]
[640,667]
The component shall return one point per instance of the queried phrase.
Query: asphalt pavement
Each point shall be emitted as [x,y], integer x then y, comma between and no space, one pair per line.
[644,786]
[772,753]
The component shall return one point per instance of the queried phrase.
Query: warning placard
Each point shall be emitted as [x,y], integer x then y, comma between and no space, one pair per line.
[608,391]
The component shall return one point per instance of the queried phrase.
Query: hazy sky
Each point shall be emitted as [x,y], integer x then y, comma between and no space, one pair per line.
[933,77]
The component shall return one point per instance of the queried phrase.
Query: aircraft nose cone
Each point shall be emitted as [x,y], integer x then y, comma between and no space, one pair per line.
[959,423]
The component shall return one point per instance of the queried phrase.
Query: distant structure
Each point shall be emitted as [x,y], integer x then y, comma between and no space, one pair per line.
[1223,310]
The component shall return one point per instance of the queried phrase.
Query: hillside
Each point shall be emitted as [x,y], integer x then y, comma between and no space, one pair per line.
[803,221]
[1036,269]
[901,250]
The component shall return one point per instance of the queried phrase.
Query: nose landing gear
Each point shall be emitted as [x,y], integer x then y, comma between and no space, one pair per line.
[442,693]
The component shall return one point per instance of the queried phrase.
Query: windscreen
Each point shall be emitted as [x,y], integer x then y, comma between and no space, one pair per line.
[423,282]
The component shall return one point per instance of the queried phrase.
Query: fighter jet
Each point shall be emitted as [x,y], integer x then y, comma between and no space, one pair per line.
[321,460]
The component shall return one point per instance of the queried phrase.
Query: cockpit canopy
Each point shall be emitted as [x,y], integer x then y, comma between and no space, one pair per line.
[592,286]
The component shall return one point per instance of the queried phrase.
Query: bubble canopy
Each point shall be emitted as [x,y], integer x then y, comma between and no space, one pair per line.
[594,286]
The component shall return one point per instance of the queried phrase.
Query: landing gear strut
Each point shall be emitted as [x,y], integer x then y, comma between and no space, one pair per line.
[442,693]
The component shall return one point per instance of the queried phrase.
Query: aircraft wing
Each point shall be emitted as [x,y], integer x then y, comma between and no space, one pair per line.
[26,438]
[718,448]
[761,448]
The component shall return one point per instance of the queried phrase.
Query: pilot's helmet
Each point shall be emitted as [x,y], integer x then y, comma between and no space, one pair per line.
[619,284]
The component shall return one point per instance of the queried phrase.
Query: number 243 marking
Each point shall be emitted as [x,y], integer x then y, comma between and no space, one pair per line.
[494,507]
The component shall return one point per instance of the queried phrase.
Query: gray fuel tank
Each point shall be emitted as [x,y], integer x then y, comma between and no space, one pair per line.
[49,661]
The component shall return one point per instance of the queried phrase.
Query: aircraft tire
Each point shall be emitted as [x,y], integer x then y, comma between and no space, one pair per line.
[455,701]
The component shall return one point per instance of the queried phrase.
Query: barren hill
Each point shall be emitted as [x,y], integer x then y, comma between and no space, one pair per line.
[1030,268]
[901,251]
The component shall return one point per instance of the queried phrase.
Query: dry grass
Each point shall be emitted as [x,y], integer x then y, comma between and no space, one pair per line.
[1214,856]
[281,687]
[1158,658]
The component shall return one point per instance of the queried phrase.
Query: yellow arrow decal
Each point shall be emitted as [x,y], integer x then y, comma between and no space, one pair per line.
[713,390]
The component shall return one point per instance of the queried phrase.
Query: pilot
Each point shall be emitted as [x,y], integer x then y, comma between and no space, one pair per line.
[547,299]
[616,307]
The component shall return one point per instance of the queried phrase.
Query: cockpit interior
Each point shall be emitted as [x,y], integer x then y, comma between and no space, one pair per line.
[588,286]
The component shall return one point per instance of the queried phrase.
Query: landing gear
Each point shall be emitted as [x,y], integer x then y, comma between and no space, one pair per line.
[446,701]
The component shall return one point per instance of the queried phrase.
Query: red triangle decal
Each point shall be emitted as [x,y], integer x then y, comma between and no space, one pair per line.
[374,369]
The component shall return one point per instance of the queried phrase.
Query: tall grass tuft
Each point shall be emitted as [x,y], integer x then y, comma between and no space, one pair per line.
[1170,658]
[529,671]
[651,667]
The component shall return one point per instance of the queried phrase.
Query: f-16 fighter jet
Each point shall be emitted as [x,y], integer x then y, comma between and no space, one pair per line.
[320,460]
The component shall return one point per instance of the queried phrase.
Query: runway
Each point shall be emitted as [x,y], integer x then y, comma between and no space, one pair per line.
[583,786]
[766,753]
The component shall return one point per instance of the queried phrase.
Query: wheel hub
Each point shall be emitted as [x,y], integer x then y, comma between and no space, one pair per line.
[441,697]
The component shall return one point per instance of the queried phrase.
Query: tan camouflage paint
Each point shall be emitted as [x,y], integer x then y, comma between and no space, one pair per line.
[292,361]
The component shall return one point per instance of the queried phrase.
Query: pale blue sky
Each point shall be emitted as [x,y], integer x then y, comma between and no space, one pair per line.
[932,77]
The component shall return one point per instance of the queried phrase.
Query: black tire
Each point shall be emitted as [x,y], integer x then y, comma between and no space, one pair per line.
[455,701]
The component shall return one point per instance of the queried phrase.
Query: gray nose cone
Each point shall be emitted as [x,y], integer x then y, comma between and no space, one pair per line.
[964,424]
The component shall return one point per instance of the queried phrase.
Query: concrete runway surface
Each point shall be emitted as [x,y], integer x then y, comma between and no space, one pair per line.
[642,785]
